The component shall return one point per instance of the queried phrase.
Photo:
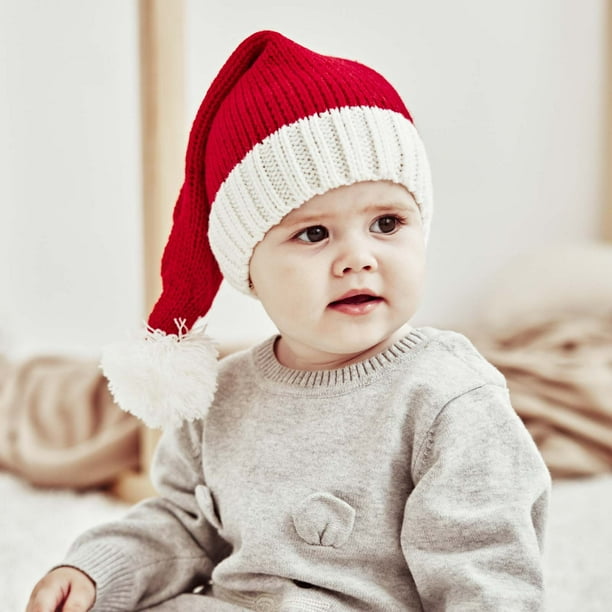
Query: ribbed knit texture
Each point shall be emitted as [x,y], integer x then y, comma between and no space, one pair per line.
[279,82]
[309,157]
[335,381]
[279,124]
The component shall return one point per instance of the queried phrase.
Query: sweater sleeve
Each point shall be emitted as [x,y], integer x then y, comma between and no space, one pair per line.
[163,546]
[473,526]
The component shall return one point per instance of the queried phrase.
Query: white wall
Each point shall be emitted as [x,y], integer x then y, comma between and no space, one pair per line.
[508,98]
[70,240]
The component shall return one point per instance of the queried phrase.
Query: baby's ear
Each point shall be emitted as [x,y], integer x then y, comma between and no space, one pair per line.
[252,288]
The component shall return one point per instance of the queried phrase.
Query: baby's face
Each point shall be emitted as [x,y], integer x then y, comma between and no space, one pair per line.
[341,274]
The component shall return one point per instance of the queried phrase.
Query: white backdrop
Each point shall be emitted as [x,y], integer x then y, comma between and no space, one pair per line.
[508,97]
[70,237]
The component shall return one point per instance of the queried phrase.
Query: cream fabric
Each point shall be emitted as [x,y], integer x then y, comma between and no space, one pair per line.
[307,158]
[547,325]
[59,425]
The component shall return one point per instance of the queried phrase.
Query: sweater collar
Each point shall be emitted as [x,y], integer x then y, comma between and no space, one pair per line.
[356,374]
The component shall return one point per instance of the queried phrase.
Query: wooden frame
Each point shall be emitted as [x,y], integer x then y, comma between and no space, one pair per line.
[607,212]
[162,92]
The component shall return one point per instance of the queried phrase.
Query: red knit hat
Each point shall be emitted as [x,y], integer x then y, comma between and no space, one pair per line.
[279,125]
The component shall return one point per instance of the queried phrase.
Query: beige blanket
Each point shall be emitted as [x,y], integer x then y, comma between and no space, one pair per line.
[547,326]
[560,379]
[59,425]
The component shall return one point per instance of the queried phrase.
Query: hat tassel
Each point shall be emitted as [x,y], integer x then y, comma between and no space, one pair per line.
[163,379]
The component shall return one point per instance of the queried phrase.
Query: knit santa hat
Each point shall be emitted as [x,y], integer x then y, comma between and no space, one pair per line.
[279,125]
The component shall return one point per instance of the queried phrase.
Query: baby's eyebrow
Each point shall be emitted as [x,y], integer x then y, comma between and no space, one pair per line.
[304,220]
[391,206]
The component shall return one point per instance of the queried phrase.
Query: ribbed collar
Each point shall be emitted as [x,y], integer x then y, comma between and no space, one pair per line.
[355,375]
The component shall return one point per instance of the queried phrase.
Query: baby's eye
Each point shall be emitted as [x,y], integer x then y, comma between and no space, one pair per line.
[316,233]
[385,225]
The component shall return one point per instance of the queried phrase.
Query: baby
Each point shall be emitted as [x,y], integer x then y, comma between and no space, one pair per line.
[352,462]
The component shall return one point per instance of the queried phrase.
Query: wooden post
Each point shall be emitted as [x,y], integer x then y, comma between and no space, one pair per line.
[607,212]
[164,138]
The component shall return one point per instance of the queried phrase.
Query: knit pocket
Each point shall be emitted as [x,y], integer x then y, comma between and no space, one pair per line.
[323,519]
[207,506]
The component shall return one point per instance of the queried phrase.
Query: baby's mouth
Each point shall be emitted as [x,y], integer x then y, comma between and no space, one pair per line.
[356,304]
[361,298]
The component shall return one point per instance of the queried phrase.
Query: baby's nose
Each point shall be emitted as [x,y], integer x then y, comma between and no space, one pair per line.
[354,256]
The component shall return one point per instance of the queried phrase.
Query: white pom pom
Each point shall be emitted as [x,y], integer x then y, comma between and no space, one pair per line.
[163,379]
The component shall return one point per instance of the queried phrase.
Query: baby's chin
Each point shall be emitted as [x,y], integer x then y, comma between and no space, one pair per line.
[332,356]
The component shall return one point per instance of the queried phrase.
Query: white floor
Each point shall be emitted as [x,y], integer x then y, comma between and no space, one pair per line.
[36,527]
[578,552]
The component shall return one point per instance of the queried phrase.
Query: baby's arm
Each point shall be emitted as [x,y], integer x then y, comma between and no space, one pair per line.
[474,523]
[164,546]
[64,588]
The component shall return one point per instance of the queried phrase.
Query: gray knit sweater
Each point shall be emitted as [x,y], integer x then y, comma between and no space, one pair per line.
[404,482]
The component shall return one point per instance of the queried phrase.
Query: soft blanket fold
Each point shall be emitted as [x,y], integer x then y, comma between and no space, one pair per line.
[548,327]
[59,425]
[560,380]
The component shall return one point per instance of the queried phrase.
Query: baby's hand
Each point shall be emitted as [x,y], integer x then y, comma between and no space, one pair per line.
[66,589]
